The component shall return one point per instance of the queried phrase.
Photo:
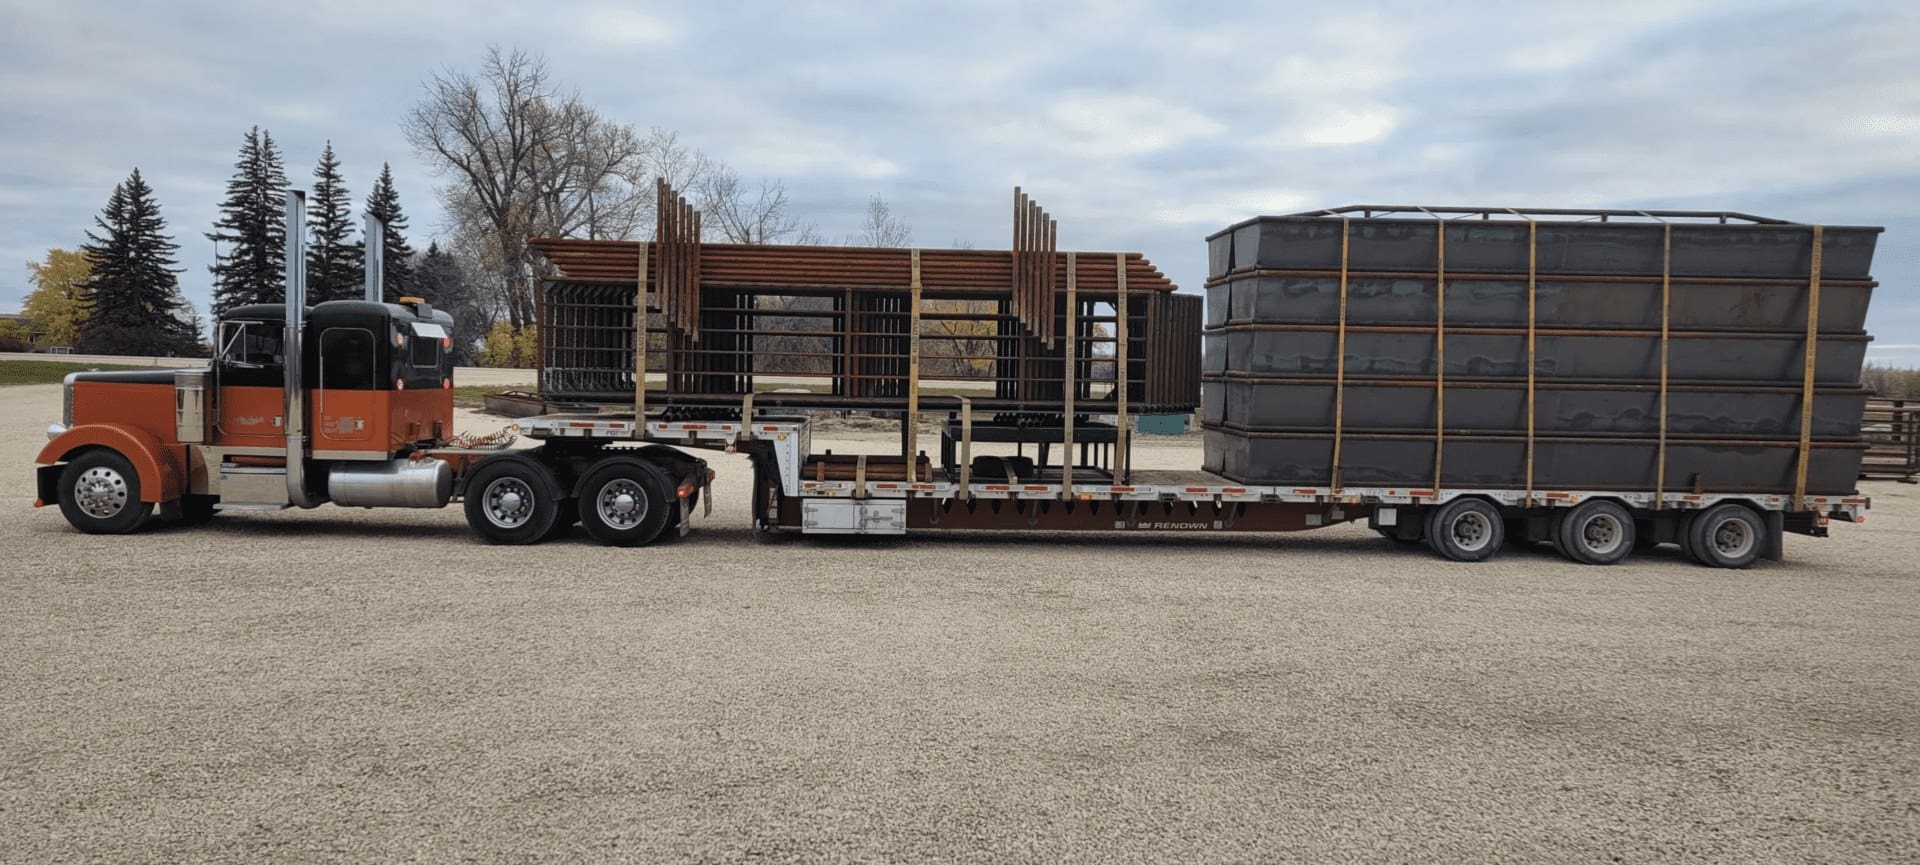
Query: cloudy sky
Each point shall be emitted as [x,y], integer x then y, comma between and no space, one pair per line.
[1140,126]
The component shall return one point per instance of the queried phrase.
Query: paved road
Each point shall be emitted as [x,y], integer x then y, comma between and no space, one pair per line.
[374,686]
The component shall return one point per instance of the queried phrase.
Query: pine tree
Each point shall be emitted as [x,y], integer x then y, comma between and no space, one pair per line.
[397,266]
[437,276]
[335,268]
[250,236]
[134,288]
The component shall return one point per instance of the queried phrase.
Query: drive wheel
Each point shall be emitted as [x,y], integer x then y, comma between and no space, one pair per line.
[511,500]
[100,494]
[1597,532]
[625,502]
[1728,536]
[1466,530]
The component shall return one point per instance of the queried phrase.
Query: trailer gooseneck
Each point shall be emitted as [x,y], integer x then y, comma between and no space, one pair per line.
[1453,377]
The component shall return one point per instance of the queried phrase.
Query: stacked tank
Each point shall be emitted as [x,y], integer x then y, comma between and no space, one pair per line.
[1735,317]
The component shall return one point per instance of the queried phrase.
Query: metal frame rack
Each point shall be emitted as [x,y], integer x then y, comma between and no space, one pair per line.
[1026,331]
[1721,252]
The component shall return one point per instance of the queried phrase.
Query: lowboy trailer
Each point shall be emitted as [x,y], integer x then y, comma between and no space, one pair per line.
[350,402]
[1593,526]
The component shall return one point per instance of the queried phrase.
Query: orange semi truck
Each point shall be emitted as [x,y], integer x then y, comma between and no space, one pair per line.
[348,402]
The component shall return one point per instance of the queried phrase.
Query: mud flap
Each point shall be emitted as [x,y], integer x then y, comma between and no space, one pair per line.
[1776,549]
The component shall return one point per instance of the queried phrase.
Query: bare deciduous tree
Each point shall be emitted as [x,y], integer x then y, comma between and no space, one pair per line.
[882,228]
[738,214]
[523,157]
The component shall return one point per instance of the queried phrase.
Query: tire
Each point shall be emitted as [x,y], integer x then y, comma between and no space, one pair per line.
[625,502]
[1597,532]
[100,494]
[1728,536]
[512,499]
[1466,530]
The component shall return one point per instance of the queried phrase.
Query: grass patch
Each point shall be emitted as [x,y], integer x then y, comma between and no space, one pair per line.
[48,372]
[474,395]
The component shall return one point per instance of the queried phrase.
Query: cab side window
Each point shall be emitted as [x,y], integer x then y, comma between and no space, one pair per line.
[251,354]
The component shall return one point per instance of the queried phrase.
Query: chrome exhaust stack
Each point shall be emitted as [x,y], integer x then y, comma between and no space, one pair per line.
[376,243]
[290,345]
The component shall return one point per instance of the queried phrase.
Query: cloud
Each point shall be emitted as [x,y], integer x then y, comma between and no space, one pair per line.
[1113,124]
[624,27]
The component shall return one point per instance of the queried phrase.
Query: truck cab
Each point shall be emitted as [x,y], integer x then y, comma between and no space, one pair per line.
[370,389]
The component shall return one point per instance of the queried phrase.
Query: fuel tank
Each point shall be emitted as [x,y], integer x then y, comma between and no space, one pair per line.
[401,483]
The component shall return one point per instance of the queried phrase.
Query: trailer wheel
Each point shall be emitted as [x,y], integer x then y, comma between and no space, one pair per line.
[1597,532]
[1466,530]
[512,499]
[625,501]
[100,494]
[1728,536]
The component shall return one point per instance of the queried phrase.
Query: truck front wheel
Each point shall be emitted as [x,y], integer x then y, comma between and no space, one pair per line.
[511,499]
[100,494]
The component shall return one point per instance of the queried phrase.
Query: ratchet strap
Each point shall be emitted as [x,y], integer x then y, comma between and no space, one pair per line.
[1439,350]
[1806,373]
[1666,330]
[1072,360]
[1340,358]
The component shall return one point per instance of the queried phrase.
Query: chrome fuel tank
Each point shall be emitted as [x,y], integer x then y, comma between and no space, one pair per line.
[401,483]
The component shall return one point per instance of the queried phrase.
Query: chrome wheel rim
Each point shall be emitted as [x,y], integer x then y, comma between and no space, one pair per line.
[509,503]
[1602,534]
[1471,531]
[100,492]
[622,504]
[1732,537]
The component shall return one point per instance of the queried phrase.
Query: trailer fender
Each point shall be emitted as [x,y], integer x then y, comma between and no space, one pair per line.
[159,476]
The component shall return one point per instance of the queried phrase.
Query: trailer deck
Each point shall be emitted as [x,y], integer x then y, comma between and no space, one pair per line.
[1087,499]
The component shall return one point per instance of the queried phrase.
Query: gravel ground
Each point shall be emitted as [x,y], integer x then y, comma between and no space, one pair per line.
[362,686]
